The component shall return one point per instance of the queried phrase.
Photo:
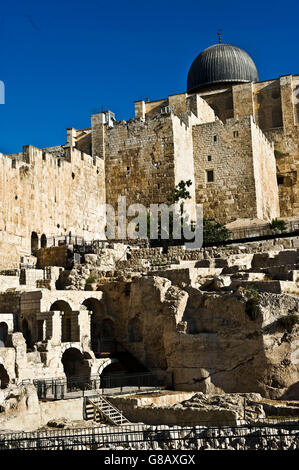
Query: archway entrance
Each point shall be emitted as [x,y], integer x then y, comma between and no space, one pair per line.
[4,378]
[69,321]
[76,367]
[3,334]
[34,243]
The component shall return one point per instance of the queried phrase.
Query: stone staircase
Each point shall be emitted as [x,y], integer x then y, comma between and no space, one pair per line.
[98,408]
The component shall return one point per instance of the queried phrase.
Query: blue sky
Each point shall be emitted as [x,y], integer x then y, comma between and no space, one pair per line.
[61,61]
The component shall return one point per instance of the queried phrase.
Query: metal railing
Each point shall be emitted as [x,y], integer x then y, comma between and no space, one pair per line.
[75,387]
[265,436]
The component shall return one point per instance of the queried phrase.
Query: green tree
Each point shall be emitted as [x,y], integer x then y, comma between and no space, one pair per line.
[178,195]
[214,232]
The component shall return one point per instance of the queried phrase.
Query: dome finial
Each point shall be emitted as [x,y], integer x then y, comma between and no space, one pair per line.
[219,32]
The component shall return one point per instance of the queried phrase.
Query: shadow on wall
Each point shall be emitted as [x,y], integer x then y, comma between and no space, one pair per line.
[292,392]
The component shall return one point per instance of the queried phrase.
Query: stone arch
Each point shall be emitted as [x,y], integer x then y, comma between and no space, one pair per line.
[60,298]
[65,347]
[61,305]
[69,321]
[43,241]
[74,364]
[113,368]
[106,364]
[4,377]
[135,330]
[34,243]
[3,334]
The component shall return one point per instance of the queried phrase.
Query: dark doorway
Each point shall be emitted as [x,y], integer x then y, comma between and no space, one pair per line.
[27,333]
[4,378]
[43,241]
[75,365]
[3,334]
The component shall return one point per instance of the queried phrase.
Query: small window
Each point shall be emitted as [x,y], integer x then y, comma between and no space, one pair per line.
[215,138]
[158,186]
[236,133]
[128,168]
[280,179]
[44,156]
[13,164]
[209,158]
[58,162]
[73,175]
[210,176]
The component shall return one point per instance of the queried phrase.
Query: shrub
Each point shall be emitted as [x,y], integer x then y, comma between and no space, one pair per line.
[278,226]
[90,280]
[252,303]
[214,231]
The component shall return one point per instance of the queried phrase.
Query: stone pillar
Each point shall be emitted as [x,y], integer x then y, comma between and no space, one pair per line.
[56,327]
[84,323]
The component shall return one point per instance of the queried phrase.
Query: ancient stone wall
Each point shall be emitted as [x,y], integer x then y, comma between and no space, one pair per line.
[265,175]
[146,158]
[48,194]
[229,181]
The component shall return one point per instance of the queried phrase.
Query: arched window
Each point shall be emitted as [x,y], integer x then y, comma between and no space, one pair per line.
[34,243]
[43,241]
[69,323]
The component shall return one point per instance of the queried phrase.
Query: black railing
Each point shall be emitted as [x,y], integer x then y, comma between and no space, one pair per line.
[75,387]
[269,435]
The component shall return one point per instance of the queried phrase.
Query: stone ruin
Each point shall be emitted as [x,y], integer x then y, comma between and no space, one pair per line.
[220,320]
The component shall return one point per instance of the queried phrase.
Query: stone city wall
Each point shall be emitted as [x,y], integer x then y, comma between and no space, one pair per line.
[47,194]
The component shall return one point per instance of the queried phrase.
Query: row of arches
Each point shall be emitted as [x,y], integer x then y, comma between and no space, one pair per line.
[102,329]
[36,243]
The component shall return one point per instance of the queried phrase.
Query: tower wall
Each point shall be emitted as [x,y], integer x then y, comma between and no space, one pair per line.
[47,194]
[238,157]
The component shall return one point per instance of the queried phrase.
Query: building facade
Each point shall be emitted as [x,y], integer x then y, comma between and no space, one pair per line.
[234,137]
